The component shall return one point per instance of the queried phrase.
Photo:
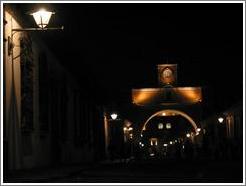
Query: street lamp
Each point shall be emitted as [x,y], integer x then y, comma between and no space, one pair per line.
[42,18]
[187,135]
[114,116]
[220,119]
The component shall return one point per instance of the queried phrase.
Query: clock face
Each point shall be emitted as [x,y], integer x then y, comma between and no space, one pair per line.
[167,73]
[167,76]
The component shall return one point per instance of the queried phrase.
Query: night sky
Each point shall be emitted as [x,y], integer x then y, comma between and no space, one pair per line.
[112,48]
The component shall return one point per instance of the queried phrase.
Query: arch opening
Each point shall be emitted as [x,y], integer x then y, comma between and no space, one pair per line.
[170,112]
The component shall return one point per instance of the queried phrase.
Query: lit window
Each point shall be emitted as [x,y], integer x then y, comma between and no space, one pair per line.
[160,126]
[168,126]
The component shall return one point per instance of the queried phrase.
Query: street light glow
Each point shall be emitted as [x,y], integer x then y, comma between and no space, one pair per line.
[114,116]
[220,119]
[42,17]
[187,135]
[198,131]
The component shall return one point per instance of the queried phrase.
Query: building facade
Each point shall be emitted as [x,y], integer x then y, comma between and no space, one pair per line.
[223,133]
[48,120]
[167,114]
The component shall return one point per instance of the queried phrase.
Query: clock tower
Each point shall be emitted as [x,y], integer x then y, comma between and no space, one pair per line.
[167,74]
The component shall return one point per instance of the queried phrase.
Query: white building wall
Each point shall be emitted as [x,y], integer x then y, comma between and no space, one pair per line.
[12,96]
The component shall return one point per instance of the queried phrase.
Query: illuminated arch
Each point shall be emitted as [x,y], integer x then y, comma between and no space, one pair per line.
[186,116]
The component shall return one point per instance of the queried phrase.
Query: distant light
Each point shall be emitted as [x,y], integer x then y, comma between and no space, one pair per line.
[171,142]
[165,145]
[124,128]
[176,141]
[183,146]
[187,135]
[198,131]
[131,136]
[153,141]
[152,154]
[130,128]
[114,116]
[42,17]
[164,114]
[160,126]
[141,135]
[168,126]
[142,144]
[220,119]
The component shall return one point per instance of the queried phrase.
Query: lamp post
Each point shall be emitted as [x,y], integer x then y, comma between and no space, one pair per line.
[222,128]
[109,118]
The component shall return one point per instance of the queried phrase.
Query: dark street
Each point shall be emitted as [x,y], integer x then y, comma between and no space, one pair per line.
[108,92]
[172,171]
[160,172]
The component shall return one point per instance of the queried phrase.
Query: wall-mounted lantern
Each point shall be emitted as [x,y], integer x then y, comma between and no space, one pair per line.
[220,119]
[42,18]
[114,116]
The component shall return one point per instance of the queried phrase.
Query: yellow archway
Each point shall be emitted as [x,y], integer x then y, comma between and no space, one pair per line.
[186,116]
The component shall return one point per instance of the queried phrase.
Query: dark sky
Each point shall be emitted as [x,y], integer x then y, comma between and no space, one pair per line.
[111,48]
